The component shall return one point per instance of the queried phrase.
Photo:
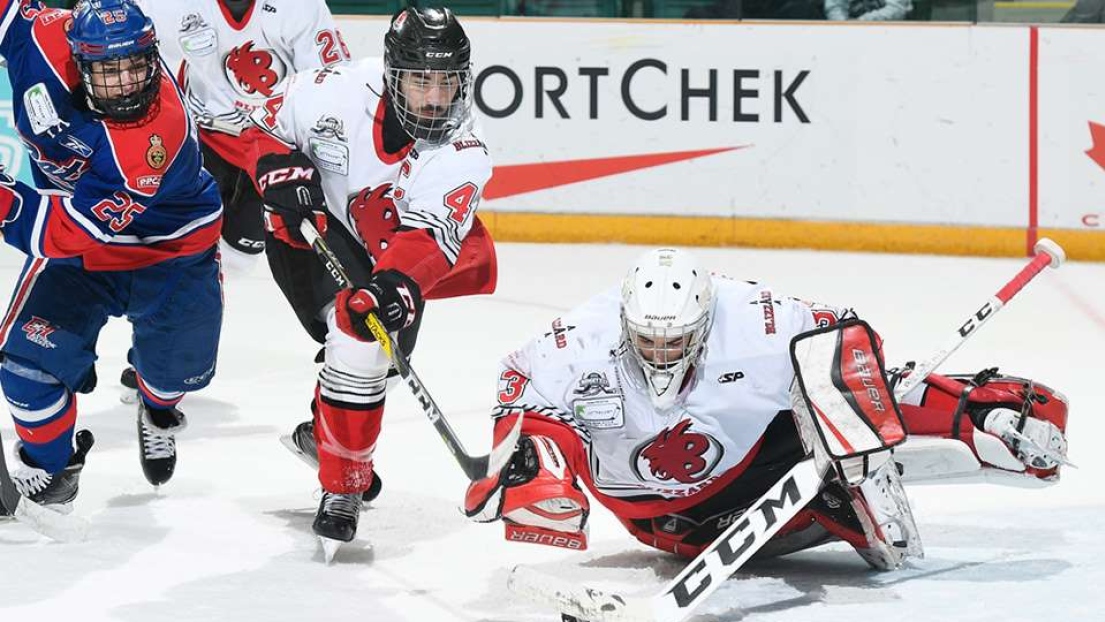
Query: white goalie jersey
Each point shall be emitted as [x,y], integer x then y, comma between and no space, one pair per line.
[335,115]
[227,68]
[575,376]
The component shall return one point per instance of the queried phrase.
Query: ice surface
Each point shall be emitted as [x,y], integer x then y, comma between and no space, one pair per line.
[229,538]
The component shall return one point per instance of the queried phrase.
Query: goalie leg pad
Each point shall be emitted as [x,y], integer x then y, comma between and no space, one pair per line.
[535,495]
[1009,423]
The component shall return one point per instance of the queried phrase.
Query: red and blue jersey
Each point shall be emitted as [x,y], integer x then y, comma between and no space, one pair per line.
[117,196]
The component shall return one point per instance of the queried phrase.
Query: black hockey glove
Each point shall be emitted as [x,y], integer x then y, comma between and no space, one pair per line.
[291,188]
[393,296]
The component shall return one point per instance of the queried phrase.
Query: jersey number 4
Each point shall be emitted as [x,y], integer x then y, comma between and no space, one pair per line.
[118,213]
[460,200]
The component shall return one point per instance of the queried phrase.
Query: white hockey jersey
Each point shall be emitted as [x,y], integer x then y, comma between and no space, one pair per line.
[574,375]
[335,116]
[227,67]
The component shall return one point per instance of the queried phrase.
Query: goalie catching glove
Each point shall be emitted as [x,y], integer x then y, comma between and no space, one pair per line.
[535,495]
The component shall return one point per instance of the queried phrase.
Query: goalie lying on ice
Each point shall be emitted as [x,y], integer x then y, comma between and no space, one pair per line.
[671,400]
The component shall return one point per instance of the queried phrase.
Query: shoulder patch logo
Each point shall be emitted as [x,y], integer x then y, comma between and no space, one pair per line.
[156,155]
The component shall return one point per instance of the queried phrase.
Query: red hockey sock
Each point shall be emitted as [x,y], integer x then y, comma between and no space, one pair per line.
[346,440]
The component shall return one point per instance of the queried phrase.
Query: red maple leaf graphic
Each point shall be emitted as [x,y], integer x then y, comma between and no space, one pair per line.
[1097,151]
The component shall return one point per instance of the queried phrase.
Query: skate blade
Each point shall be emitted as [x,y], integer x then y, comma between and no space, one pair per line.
[329,548]
[290,444]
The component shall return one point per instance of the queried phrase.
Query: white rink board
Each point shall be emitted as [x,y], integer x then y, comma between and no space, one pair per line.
[936,143]
[925,124]
[1072,95]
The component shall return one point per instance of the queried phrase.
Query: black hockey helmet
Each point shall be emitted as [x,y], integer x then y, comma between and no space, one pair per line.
[427,58]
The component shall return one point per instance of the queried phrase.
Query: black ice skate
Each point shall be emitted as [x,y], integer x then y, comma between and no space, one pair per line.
[336,521]
[301,442]
[156,443]
[129,381]
[55,491]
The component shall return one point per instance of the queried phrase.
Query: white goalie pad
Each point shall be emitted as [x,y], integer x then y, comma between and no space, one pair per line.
[845,411]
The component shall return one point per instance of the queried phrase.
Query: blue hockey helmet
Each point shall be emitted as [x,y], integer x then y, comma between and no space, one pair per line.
[115,48]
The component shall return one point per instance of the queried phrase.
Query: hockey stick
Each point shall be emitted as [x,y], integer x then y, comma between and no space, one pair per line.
[706,573]
[475,467]
[60,527]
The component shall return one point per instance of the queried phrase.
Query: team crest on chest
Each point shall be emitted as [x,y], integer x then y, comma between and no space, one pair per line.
[254,72]
[679,454]
[156,155]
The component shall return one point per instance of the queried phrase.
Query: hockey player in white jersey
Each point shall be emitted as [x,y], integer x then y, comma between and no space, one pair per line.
[382,159]
[230,56]
[671,400]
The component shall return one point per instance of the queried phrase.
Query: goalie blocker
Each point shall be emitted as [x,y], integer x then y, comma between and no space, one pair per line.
[849,420]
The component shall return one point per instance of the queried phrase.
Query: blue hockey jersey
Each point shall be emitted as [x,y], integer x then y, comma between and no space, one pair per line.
[115,196]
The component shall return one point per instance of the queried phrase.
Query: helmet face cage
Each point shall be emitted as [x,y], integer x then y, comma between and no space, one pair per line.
[664,353]
[432,104]
[122,88]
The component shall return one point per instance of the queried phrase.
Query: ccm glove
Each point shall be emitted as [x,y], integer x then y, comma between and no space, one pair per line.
[291,189]
[393,296]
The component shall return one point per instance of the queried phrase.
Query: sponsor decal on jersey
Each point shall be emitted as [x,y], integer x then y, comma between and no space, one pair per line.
[268,8]
[678,453]
[156,155]
[38,332]
[730,376]
[149,181]
[254,72]
[559,333]
[329,156]
[202,43]
[76,146]
[598,405]
[602,413]
[41,112]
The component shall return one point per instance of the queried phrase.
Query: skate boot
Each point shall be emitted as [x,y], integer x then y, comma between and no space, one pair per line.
[157,428]
[129,381]
[301,442]
[55,491]
[336,521]
[883,510]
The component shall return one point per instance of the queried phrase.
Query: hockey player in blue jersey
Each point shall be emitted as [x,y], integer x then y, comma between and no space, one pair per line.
[124,222]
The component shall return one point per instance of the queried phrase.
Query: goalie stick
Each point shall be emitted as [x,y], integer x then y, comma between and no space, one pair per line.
[475,467]
[725,555]
[60,527]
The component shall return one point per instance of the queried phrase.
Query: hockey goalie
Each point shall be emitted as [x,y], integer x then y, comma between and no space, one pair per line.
[680,398]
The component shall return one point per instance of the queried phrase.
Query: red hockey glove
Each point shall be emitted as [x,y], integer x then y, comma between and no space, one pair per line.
[394,297]
[291,189]
[535,495]
[10,201]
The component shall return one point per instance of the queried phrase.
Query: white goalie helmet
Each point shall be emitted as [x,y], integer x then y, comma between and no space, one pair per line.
[667,309]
